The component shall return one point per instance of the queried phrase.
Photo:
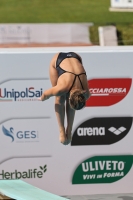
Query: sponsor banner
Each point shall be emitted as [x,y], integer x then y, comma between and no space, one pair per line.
[14,33]
[104,92]
[22,90]
[101,131]
[20,135]
[29,134]
[108,91]
[24,131]
[102,169]
[29,174]
[121,4]
[44,33]
[26,137]
[26,168]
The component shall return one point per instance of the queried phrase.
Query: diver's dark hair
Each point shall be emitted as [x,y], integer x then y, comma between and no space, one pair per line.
[77,99]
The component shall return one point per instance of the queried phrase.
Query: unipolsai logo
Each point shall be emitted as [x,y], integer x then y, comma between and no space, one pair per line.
[30,173]
[101,131]
[107,92]
[102,169]
[20,135]
[28,94]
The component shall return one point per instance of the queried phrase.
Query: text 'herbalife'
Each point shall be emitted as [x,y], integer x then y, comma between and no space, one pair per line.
[30,173]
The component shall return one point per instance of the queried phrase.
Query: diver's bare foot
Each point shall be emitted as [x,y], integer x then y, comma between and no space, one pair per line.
[62,137]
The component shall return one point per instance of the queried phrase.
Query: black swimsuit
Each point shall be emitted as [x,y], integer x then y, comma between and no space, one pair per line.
[61,71]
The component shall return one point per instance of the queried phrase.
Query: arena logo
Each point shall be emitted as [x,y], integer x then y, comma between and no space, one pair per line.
[102,169]
[28,94]
[101,131]
[30,173]
[21,135]
[107,92]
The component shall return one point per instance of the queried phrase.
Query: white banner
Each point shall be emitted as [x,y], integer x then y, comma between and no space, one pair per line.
[122,3]
[45,33]
[99,158]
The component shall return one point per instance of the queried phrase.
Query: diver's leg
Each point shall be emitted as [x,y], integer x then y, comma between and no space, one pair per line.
[59,105]
[60,114]
[70,119]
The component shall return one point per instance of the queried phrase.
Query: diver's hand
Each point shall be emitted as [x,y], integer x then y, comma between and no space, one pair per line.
[39,99]
[43,98]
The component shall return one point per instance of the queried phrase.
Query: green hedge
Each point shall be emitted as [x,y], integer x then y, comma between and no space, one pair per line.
[60,11]
[124,34]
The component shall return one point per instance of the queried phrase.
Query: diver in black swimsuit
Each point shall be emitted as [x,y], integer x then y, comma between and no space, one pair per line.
[61,71]
[70,88]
